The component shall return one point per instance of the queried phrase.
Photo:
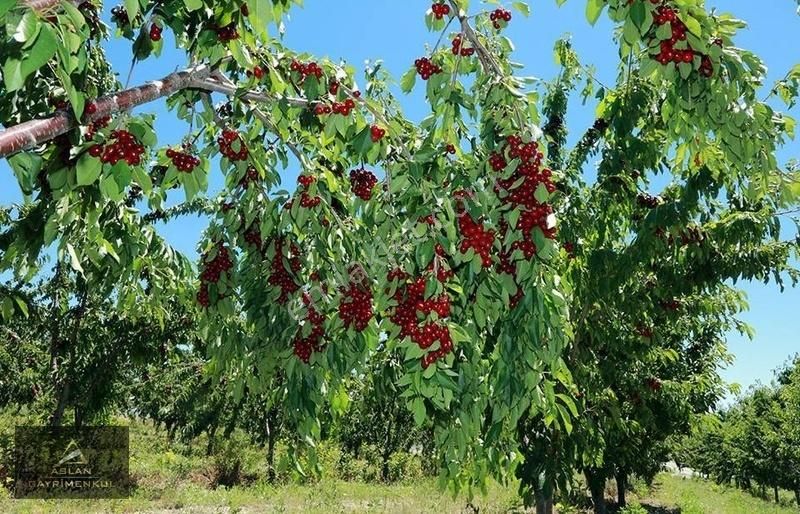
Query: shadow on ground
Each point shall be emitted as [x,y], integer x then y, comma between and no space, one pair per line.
[660,509]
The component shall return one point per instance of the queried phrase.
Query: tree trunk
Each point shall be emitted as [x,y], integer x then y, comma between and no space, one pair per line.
[596,481]
[777,496]
[210,446]
[544,501]
[797,496]
[63,398]
[272,437]
[35,132]
[387,452]
[622,486]
[78,417]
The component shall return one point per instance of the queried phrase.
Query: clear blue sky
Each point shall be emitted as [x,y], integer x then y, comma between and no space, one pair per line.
[393,31]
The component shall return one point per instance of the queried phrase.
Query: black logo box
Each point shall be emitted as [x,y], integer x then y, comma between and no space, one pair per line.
[69,462]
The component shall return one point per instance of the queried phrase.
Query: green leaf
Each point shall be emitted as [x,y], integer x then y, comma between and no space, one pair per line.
[408,80]
[593,10]
[42,51]
[693,25]
[418,408]
[193,5]
[74,261]
[88,169]
[523,8]
[132,7]
[5,6]
[12,74]
[630,33]
[27,28]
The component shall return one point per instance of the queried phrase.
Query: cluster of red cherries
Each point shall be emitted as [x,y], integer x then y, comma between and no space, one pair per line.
[426,68]
[475,236]
[155,32]
[227,33]
[306,200]
[309,202]
[440,10]
[183,161]
[97,125]
[355,308]
[252,235]
[667,51]
[279,275]
[306,180]
[250,177]
[498,16]
[257,72]
[460,48]
[519,192]
[306,69]
[305,346]
[343,108]
[125,147]
[362,182]
[376,133]
[226,142]
[212,272]
[411,305]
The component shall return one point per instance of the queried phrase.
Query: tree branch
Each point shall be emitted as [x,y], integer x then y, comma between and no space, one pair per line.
[35,132]
[43,5]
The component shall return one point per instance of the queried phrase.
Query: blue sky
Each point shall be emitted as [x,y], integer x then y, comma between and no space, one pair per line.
[393,31]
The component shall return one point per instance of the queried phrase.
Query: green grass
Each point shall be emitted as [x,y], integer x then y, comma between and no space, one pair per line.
[693,496]
[179,478]
[325,497]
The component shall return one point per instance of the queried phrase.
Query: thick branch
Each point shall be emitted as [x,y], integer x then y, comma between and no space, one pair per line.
[35,132]
[213,84]
[43,5]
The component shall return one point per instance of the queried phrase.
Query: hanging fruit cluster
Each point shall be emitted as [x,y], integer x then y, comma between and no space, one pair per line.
[376,133]
[252,235]
[125,147]
[440,10]
[212,272]
[97,125]
[343,108]
[460,48]
[519,192]
[250,177]
[306,69]
[668,50]
[355,307]
[362,182]
[412,309]
[426,68]
[183,161]
[475,236]
[279,275]
[227,33]
[500,18]
[232,146]
[305,346]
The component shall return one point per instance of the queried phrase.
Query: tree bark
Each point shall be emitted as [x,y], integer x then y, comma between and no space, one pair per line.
[272,436]
[622,486]
[61,405]
[544,501]
[35,132]
[596,482]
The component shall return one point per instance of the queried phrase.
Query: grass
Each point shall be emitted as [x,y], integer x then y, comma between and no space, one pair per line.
[325,497]
[692,496]
[179,478]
